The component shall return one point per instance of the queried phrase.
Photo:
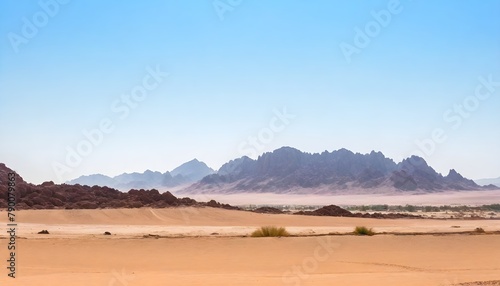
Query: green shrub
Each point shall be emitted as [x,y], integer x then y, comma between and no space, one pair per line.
[363,230]
[270,231]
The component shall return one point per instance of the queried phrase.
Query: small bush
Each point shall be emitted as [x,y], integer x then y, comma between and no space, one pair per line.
[363,230]
[270,231]
[479,230]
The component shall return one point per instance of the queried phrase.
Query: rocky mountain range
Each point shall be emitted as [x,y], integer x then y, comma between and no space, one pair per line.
[185,174]
[288,170]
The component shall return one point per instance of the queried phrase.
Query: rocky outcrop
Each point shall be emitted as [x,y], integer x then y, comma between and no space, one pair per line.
[49,196]
[268,210]
[215,204]
[336,211]
[331,210]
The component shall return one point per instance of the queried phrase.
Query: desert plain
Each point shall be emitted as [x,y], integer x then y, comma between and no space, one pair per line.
[208,246]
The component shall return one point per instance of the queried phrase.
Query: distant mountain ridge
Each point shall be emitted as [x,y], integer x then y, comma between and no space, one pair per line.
[185,174]
[288,170]
[485,182]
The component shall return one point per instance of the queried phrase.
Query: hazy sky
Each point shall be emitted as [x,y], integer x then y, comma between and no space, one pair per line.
[314,75]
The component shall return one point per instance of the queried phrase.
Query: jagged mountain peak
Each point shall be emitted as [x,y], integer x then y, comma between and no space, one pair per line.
[194,170]
[454,175]
[235,166]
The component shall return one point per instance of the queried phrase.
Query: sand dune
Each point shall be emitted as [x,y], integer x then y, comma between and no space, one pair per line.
[78,254]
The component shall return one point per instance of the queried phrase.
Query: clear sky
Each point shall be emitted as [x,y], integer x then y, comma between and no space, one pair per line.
[361,75]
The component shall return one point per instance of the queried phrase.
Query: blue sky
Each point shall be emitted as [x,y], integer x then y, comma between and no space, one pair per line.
[231,71]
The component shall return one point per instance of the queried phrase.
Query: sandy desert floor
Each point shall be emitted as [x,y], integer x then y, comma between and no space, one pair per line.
[189,253]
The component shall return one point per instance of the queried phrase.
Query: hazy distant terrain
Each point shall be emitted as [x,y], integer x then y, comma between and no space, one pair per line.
[474,198]
[485,182]
[186,173]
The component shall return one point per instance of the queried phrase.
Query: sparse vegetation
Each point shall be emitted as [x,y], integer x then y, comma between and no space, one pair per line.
[493,207]
[363,230]
[270,231]
[414,208]
[479,230]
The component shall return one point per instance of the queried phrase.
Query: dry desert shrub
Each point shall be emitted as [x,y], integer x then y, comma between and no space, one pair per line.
[270,231]
[363,230]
